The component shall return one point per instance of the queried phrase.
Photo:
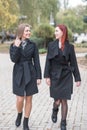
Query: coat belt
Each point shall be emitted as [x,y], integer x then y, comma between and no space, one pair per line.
[23,71]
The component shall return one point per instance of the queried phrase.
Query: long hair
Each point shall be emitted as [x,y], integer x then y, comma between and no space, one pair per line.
[20,29]
[64,38]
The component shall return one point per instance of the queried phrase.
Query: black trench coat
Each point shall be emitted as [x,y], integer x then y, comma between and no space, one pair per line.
[59,67]
[26,69]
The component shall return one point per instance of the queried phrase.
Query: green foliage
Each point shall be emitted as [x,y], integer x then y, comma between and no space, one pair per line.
[83,45]
[70,35]
[42,51]
[8,14]
[46,32]
[73,18]
[38,9]
[38,40]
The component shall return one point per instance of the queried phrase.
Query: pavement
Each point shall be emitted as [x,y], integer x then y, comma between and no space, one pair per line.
[40,118]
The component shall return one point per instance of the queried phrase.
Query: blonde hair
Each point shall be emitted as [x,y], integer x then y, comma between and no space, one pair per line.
[20,29]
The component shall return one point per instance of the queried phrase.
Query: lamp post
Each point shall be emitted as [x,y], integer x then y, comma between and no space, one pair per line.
[51,19]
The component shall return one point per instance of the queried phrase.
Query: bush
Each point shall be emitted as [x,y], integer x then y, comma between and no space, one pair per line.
[46,32]
[39,41]
[42,51]
[70,35]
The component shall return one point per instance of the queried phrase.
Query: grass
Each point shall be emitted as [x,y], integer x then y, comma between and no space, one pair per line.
[80,49]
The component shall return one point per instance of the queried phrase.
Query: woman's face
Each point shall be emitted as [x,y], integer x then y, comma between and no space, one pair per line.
[58,33]
[26,33]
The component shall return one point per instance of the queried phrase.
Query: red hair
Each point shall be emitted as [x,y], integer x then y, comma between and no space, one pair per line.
[64,38]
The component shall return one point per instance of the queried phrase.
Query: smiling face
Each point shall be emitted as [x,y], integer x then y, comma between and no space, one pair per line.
[58,33]
[26,33]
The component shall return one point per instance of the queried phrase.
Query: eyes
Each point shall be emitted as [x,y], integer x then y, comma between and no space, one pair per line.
[28,30]
[56,30]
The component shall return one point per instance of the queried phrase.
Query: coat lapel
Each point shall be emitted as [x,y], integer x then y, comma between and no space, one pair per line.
[66,51]
[53,49]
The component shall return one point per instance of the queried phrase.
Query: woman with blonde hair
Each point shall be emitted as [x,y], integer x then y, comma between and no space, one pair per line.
[26,72]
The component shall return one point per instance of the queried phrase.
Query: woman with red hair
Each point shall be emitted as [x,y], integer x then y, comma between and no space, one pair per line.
[61,63]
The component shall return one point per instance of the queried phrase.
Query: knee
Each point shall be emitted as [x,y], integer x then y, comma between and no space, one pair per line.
[29,100]
[64,102]
[20,99]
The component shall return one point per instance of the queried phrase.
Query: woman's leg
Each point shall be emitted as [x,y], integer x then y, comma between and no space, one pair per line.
[56,105]
[19,105]
[28,107]
[57,102]
[64,110]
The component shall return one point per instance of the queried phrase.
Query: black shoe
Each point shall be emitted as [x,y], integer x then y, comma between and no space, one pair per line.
[18,120]
[54,113]
[25,124]
[63,125]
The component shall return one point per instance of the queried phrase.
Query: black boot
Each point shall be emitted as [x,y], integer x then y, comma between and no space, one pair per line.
[18,120]
[54,112]
[63,125]
[25,124]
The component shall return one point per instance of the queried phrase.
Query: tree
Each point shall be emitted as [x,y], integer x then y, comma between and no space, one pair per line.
[8,13]
[46,32]
[73,18]
[38,10]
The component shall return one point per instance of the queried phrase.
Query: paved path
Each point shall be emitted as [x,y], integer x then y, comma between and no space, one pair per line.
[42,103]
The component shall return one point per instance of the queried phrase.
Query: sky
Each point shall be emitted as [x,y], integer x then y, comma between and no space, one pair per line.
[73,3]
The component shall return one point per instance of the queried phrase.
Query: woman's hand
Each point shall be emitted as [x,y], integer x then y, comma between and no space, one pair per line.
[38,81]
[17,42]
[78,83]
[48,81]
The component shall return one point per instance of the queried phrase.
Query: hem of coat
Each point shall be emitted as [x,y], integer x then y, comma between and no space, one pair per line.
[25,94]
[60,98]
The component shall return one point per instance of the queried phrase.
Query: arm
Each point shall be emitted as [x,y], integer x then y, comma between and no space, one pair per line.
[14,53]
[47,66]
[37,62]
[73,62]
[15,50]
[47,70]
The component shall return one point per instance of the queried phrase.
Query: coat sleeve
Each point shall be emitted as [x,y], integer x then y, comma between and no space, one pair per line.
[47,66]
[37,63]
[73,63]
[14,53]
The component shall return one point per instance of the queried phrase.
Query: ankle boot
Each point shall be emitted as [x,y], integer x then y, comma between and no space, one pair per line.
[63,125]
[18,119]
[54,113]
[25,124]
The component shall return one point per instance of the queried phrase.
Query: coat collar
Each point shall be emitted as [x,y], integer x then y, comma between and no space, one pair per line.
[53,49]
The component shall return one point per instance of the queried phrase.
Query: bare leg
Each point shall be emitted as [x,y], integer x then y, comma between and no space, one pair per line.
[28,106]
[20,103]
